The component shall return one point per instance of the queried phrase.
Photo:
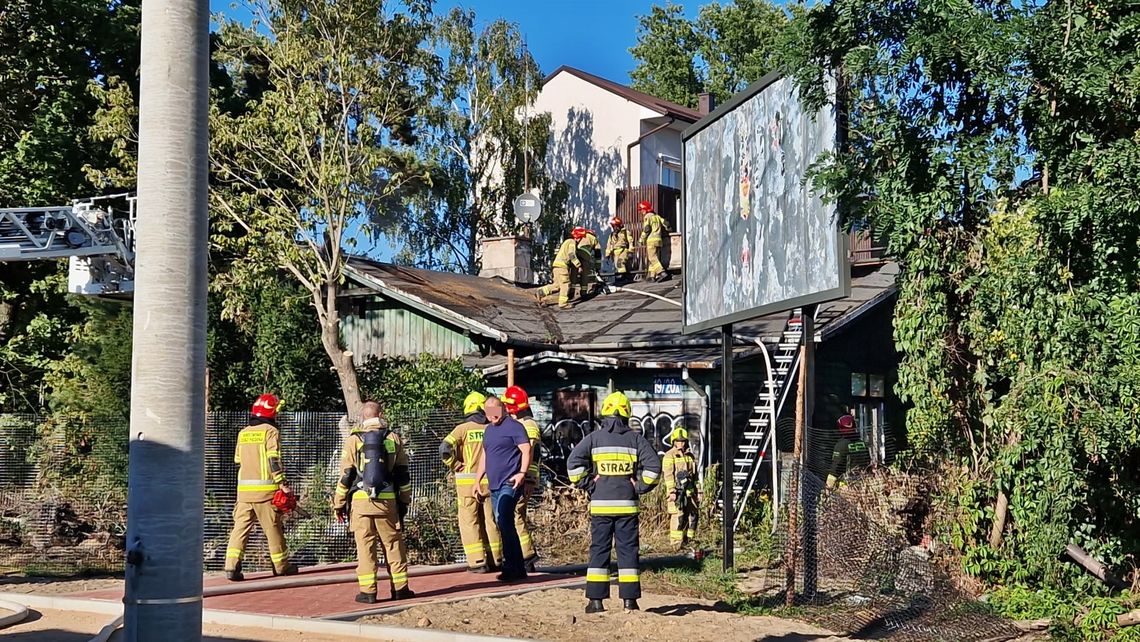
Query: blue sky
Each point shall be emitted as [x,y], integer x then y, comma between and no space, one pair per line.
[593,35]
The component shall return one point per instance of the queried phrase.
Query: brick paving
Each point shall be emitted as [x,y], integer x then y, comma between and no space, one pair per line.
[337,599]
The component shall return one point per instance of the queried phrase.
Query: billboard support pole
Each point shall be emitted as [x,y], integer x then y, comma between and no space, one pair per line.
[726,442]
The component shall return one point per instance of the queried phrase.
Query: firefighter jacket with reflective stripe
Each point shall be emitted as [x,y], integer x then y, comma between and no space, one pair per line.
[534,434]
[654,229]
[567,254]
[676,466]
[616,465]
[588,248]
[258,456]
[462,449]
[619,241]
[352,468]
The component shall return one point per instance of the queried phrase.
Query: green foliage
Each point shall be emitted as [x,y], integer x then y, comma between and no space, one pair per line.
[274,347]
[403,385]
[996,148]
[727,47]
[1085,618]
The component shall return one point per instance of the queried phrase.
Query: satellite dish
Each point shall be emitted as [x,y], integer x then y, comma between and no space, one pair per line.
[528,207]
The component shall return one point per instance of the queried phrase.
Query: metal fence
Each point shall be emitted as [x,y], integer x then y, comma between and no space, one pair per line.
[63,491]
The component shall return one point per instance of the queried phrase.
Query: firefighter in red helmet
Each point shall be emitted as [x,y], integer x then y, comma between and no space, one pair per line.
[618,248]
[590,255]
[260,475]
[564,271]
[654,234]
[850,453]
[517,403]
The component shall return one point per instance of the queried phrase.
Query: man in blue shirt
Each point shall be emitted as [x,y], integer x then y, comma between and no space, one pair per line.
[505,460]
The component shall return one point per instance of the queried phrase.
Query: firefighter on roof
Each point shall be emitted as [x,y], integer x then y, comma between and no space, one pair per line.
[615,465]
[260,475]
[518,404]
[460,452]
[590,255]
[618,248]
[373,495]
[565,269]
[680,472]
[654,233]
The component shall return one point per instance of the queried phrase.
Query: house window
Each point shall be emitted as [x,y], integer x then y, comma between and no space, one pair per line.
[670,172]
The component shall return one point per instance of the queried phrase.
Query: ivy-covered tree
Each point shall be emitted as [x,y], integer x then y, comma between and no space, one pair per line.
[995,146]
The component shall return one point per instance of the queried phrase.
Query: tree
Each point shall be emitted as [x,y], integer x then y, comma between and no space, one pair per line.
[666,56]
[994,146]
[53,54]
[314,166]
[722,51]
[482,145]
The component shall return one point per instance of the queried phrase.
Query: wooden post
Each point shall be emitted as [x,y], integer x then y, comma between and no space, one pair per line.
[510,367]
[794,486]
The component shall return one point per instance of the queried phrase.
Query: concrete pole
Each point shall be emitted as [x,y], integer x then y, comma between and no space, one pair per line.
[163,599]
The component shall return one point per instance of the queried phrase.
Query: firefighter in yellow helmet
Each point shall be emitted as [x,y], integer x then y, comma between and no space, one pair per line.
[654,234]
[260,475]
[565,269]
[618,248]
[373,495]
[517,403]
[460,451]
[615,465]
[590,255]
[680,472]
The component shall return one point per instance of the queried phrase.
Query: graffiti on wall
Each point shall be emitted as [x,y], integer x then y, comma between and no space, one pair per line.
[560,435]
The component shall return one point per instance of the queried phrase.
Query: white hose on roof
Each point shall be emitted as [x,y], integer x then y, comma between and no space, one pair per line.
[644,293]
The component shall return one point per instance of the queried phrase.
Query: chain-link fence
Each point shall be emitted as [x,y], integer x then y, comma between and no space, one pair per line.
[865,565]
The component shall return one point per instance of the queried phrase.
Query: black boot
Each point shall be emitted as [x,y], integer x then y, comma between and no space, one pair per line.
[236,574]
[529,564]
[403,594]
[366,598]
[479,569]
[630,605]
[290,569]
[595,606]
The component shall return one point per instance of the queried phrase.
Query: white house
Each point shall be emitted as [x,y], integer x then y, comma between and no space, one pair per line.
[594,122]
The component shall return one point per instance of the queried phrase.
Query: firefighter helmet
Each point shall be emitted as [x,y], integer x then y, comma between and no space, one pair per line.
[615,222]
[846,423]
[473,402]
[515,399]
[616,404]
[644,206]
[679,433]
[266,406]
[578,232]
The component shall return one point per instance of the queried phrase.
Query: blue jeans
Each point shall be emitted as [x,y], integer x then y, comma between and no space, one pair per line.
[503,501]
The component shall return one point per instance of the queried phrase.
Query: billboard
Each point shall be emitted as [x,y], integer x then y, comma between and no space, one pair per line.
[758,238]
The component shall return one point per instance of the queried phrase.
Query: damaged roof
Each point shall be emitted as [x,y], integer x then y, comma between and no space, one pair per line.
[635,324]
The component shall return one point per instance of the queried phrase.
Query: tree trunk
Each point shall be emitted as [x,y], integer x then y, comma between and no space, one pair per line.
[1001,512]
[341,359]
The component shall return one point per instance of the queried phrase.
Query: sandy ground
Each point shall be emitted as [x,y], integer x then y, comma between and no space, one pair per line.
[68,626]
[557,614]
[56,586]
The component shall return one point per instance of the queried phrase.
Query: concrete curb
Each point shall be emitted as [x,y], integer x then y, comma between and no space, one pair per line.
[272,622]
[17,615]
[355,615]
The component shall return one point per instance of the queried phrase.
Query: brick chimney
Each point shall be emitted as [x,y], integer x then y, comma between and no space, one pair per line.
[507,257]
[706,103]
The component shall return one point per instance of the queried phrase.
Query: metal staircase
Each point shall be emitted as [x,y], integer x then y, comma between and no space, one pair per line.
[97,239]
[759,444]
